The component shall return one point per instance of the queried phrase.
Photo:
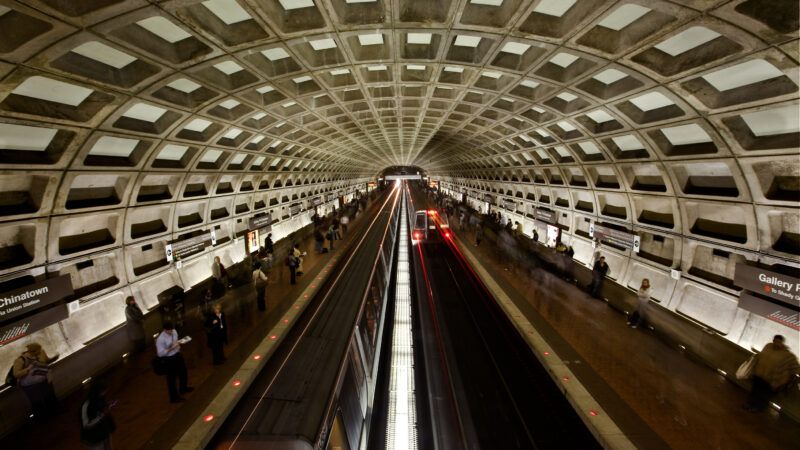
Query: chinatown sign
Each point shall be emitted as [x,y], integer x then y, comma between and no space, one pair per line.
[23,300]
[766,282]
[615,237]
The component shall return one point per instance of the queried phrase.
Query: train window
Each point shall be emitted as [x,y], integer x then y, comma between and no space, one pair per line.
[421,221]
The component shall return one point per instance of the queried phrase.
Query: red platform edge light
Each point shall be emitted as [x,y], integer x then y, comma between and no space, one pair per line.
[257,357]
[565,378]
[273,337]
[546,353]
[236,383]
[208,418]
[592,413]
[285,320]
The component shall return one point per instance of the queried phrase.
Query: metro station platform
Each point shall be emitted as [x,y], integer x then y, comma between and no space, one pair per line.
[657,396]
[144,416]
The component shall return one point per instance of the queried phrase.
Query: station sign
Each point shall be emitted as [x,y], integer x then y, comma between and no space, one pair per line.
[263,221]
[177,250]
[295,208]
[544,215]
[21,301]
[329,197]
[773,311]
[316,201]
[766,282]
[38,295]
[510,205]
[488,198]
[615,237]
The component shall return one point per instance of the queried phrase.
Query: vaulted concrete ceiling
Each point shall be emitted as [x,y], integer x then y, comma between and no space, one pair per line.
[695,99]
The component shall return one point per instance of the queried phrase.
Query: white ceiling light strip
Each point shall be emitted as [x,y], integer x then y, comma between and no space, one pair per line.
[401,420]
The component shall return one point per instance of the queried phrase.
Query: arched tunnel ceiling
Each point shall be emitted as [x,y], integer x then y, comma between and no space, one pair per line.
[688,106]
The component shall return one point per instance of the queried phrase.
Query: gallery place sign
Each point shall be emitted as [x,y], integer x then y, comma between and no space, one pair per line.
[773,311]
[766,282]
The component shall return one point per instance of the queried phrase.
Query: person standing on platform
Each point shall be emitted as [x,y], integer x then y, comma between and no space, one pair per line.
[260,284]
[775,369]
[97,424]
[31,370]
[319,240]
[134,318]
[220,275]
[642,304]
[479,235]
[336,234]
[330,236]
[299,257]
[217,333]
[599,272]
[344,221]
[169,349]
[291,263]
[269,246]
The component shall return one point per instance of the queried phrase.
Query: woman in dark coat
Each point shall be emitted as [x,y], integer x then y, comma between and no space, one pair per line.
[217,332]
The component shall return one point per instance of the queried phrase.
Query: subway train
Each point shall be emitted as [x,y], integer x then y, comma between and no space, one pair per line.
[430,227]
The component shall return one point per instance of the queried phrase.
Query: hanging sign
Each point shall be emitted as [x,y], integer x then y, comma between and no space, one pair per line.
[259,222]
[177,250]
[488,198]
[26,299]
[766,282]
[316,201]
[615,237]
[773,311]
[510,205]
[544,215]
[295,208]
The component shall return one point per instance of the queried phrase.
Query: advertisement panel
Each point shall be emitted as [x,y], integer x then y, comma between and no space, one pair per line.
[615,237]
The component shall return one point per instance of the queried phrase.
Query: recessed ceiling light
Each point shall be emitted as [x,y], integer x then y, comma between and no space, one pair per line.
[104,54]
[651,101]
[567,96]
[229,104]
[743,74]
[370,39]
[163,28]
[555,8]
[274,54]
[228,67]
[296,4]
[563,59]
[145,112]
[323,44]
[530,83]
[302,79]
[418,38]
[184,85]
[491,74]
[686,40]
[516,48]
[467,41]
[487,2]
[227,11]
[623,16]
[53,91]
[265,89]
[610,76]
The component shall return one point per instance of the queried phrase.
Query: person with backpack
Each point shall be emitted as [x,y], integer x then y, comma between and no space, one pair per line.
[97,423]
[298,255]
[260,284]
[319,240]
[31,373]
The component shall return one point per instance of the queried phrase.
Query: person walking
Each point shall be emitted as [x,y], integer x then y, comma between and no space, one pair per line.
[260,284]
[291,263]
[599,271]
[134,323]
[344,221]
[31,370]
[479,235]
[269,246]
[217,333]
[330,236]
[319,240]
[299,257]
[220,276]
[97,423]
[642,304]
[775,369]
[169,350]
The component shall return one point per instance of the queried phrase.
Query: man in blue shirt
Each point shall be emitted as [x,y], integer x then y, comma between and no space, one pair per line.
[168,349]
